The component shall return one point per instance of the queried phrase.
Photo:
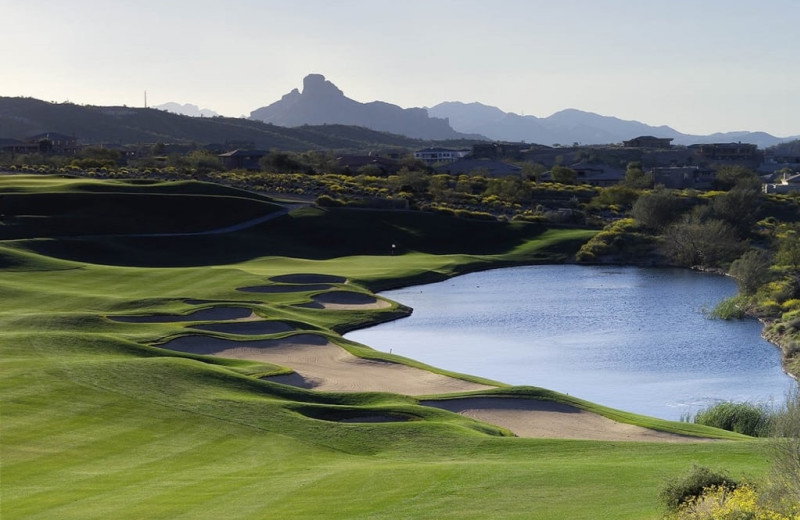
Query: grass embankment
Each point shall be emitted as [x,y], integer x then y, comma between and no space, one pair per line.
[36,207]
[96,422]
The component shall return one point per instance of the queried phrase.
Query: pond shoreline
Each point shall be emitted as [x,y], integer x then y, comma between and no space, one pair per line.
[541,342]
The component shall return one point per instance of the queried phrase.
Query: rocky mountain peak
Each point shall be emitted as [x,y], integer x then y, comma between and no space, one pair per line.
[315,85]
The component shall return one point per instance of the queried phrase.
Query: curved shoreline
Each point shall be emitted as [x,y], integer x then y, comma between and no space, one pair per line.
[389,338]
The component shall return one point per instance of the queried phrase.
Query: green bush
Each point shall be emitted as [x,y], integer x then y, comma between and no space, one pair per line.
[691,486]
[728,309]
[746,418]
[326,201]
[475,215]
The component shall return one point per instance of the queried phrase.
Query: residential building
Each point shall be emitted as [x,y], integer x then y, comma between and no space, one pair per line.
[431,156]
[242,159]
[480,166]
[727,151]
[680,177]
[55,142]
[787,184]
[597,174]
[648,141]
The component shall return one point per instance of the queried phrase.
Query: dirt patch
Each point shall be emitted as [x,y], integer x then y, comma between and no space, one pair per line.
[210,314]
[248,328]
[322,365]
[308,278]
[546,419]
[345,300]
[284,288]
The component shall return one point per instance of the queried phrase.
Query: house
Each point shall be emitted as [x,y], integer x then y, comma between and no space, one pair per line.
[680,177]
[479,166]
[242,159]
[353,163]
[511,151]
[597,174]
[648,141]
[14,146]
[431,156]
[55,142]
[789,183]
[726,151]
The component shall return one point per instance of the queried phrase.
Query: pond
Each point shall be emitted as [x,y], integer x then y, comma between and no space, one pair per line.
[631,338]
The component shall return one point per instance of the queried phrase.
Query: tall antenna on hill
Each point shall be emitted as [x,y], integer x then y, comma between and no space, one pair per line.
[145,99]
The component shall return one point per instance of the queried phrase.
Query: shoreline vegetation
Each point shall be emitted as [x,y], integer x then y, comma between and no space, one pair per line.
[68,283]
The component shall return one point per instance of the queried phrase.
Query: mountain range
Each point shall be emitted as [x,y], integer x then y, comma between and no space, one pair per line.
[571,125]
[21,118]
[186,109]
[321,102]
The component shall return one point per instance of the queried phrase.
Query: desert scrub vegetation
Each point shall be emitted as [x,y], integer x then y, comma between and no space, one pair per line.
[741,503]
[623,240]
[691,486]
[703,494]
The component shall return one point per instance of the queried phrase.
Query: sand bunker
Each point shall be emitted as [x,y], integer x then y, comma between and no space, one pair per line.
[345,300]
[249,328]
[308,278]
[546,419]
[322,365]
[285,288]
[210,314]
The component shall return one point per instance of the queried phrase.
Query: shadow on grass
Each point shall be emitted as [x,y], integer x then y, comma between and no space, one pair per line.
[309,233]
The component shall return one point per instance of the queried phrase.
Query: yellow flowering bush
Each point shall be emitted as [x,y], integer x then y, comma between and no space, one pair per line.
[742,503]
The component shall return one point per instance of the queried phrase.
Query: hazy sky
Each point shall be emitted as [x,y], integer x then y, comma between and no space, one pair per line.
[699,66]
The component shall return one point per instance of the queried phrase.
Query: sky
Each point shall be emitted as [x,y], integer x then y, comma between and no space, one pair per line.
[699,66]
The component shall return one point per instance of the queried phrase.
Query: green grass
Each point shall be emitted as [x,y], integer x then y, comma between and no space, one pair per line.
[97,422]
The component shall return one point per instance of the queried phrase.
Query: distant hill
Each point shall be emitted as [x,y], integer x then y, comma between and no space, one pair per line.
[186,109]
[24,117]
[571,125]
[321,102]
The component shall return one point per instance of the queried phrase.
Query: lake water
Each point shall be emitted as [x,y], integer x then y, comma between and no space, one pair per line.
[630,338]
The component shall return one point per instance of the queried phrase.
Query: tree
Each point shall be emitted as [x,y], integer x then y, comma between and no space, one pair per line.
[738,207]
[657,209]
[636,178]
[708,243]
[729,176]
[532,171]
[282,162]
[751,270]
[789,249]
[563,175]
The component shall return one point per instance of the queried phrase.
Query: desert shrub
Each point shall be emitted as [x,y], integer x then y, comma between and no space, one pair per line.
[326,201]
[695,241]
[742,503]
[657,209]
[751,270]
[690,486]
[747,418]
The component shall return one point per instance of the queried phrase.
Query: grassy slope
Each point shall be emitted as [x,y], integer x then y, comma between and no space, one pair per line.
[95,423]
[34,207]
